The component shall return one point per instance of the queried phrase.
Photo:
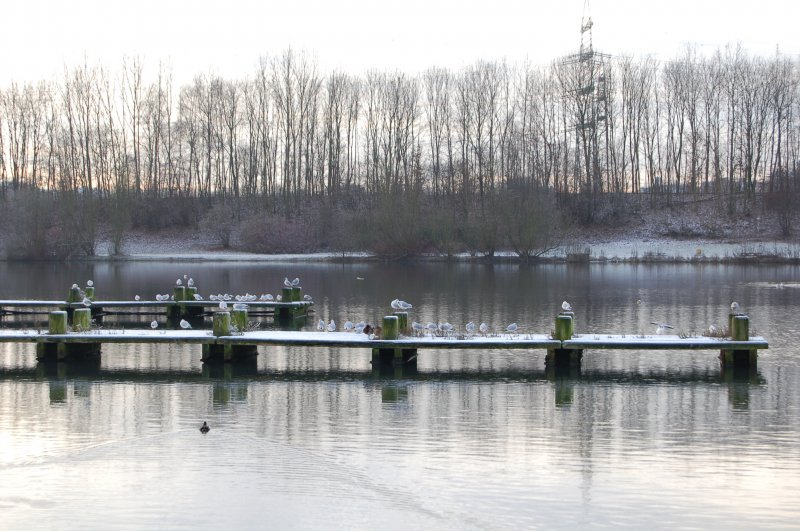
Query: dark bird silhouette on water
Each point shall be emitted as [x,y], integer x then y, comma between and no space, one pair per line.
[204,428]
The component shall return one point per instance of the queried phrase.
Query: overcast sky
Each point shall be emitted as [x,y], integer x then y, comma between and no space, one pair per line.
[39,37]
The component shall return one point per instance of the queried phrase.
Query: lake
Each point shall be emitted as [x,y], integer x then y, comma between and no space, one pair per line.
[312,438]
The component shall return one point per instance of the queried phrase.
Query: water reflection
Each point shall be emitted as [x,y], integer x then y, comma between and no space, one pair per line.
[229,382]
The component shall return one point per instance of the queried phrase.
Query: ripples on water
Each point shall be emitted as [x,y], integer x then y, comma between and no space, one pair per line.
[310,438]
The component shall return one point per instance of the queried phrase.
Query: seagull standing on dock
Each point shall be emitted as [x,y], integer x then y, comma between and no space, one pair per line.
[348,326]
[185,324]
[418,328]
[483,328]
[321,325]
[154,324]
[198,297]
[136,297]
[470,327]
[331,326]
[512,328]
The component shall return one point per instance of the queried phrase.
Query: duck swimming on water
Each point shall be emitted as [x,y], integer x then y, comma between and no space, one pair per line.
[204,428]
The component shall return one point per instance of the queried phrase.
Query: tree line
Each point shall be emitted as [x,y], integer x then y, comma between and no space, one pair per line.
[449,156]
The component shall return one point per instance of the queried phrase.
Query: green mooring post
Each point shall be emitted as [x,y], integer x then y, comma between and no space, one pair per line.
[82,320]
[402,322]
[739,358]
[297,294]
[239,320]
[89,291]
[57,323]
[564,327]
[562,357]
[74,294]
[221,324]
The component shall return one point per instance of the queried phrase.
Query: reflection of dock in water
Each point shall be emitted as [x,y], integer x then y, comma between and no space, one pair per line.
[230,382]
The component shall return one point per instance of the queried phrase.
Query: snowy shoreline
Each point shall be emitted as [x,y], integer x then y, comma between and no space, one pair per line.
[613,251]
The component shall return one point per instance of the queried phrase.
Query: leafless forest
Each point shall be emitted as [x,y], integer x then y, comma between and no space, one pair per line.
[490,157]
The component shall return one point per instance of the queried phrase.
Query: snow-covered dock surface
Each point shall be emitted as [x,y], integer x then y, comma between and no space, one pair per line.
[660,342]
[345,339]
[21,303]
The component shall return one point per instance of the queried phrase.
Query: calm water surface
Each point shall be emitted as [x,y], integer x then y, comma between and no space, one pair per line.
[312,438]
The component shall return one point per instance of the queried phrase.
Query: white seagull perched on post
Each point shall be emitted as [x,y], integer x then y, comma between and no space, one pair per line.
[287,282]
[565,306]
[296,282]
[185,324]
[404,305]
[179,282]
[89,283]
[395,304]
[190,282]
[735,307]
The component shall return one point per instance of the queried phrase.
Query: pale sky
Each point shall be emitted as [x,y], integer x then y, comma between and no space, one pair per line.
[39,37]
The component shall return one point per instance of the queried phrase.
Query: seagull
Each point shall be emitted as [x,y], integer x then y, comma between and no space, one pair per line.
[295,282]
[287,282]
[512,327]
[470,327]
[185,324]
[418,328]
[154,325]
[179,282]
[661,328]
[204,428]
[239,306]
[268,297]
[87,302]
[735,307]
[404,305]
[75,286]
[223,305]
[565,306]
[89,283]
[359,278]
[198,297]
[185,277]
[190,282]
[136,298]
[306,297]
[331,326]
[321,325]
[395,304]
[359,328]
[483,328]
[348,326]
[446,328]
[278,298]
